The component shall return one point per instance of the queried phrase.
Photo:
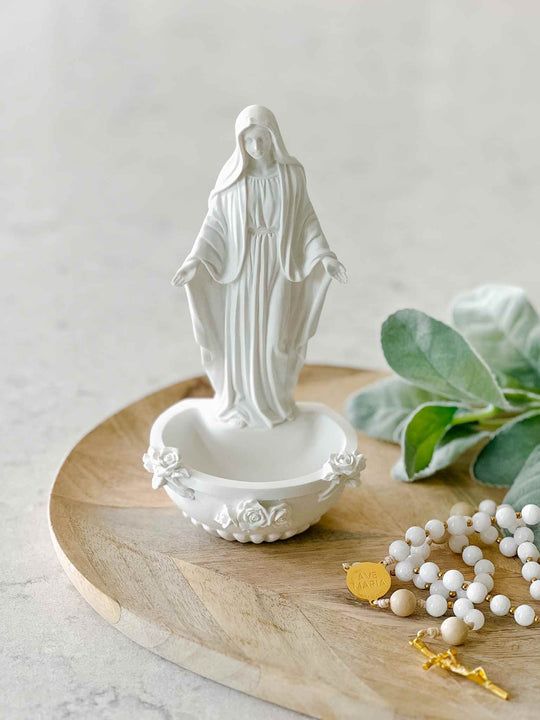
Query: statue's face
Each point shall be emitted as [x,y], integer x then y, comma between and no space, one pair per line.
[257,142]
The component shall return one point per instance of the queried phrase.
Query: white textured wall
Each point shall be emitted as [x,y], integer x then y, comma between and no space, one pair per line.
[417,123]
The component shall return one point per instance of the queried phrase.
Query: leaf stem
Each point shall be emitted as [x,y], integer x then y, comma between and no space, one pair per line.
[487,413]
[494,423]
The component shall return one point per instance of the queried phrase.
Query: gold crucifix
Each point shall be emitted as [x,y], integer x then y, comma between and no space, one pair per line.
[448,661]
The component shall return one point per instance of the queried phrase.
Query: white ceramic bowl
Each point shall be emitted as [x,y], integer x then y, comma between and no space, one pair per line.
[248,484]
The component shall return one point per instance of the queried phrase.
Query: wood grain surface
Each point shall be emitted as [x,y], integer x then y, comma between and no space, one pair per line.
[276,620]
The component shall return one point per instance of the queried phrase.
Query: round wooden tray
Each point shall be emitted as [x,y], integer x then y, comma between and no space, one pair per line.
[276,620]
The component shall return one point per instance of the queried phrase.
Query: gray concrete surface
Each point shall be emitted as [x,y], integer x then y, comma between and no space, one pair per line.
[418,126]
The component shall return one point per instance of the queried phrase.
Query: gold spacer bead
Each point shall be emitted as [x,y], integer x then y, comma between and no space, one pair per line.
[416,570]
[409,542]
[488,597]
[445,525]
[450,604]
[465,585]
[536,619]
[493,520]
[440,574]
[469,522]
[498,540]
[518,515]
[530,559]
[452,594]
[512,610]
[373,603]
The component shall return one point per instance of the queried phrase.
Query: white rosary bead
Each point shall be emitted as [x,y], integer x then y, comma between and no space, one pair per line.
[535,590]
[486,580]
[490,535]
[404,570]
[475,619]
[457,524]
[508,547]
[438,588]
[469,528]
[505,516]
[435,530]
[484,566]
[416,536]
[461,508]
[527,550]
[500,605]
[419,583]
[476,592]
[456,543]
[399,550]
[524,615]
[471,555]
[462,606]
[488,506]
[512,528]
[481,521]
[531,514]
[453,580]
[429,572]
[531,571]
[523,534]
[422,551]
[436,605]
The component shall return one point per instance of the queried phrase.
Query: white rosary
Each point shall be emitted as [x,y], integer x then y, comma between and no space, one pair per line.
[408,560]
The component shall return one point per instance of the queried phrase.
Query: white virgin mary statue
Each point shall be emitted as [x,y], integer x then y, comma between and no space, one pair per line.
[257,276]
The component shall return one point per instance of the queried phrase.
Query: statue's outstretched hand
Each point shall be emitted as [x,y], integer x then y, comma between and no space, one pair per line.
[185,273]
[335,269]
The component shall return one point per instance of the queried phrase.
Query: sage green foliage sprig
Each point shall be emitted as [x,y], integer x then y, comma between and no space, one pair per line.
[474,385]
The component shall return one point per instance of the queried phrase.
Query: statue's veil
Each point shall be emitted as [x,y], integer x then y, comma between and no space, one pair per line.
[235,165]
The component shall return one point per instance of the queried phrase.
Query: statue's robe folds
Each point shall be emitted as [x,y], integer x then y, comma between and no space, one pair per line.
[257,295]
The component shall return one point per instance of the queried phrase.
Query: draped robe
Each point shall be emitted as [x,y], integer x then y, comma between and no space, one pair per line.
[254,307]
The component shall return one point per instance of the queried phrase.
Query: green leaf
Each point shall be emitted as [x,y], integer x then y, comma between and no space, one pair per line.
[501,460]
[503,326]
[437,358]
[526,487]
[457,441]
[381,408]
[423,431]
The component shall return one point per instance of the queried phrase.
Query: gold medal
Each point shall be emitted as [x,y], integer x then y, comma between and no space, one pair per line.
[368,580]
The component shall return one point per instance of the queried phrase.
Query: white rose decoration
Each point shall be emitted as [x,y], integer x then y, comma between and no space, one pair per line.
[251,514]
[165,464]
[279,514]
[343,466]
[150,459]
[347,463]
[224,518]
